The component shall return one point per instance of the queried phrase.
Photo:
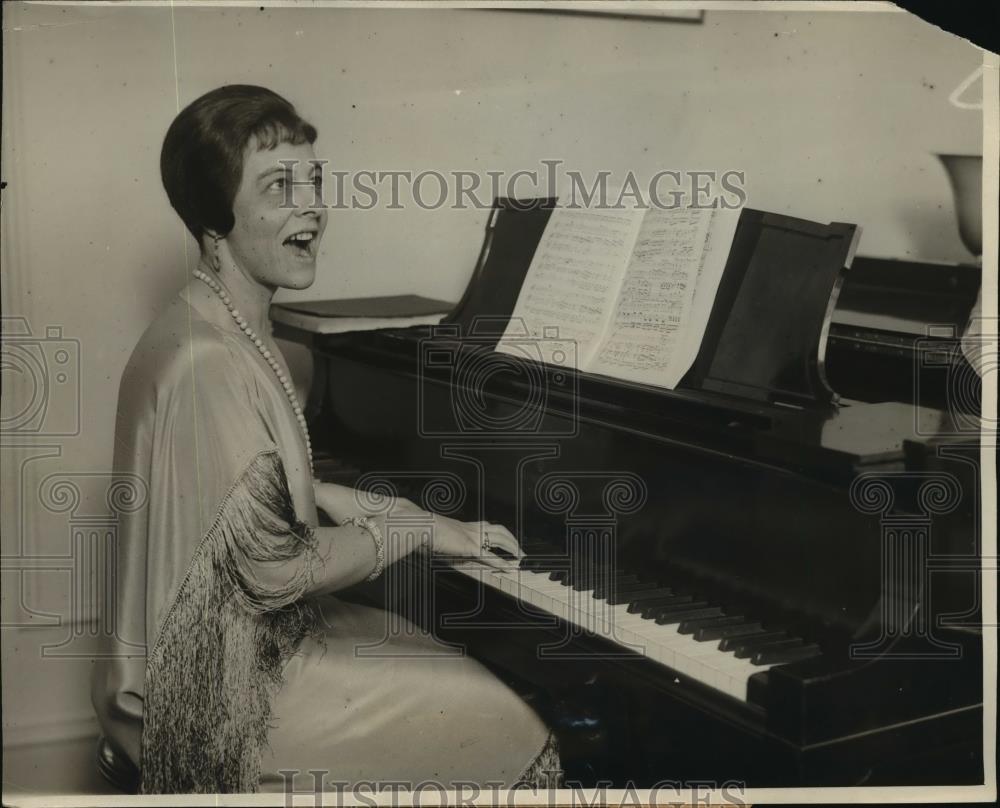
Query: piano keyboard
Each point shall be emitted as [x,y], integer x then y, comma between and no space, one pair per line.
[692,637]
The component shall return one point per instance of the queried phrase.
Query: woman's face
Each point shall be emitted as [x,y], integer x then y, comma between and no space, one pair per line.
[273,241]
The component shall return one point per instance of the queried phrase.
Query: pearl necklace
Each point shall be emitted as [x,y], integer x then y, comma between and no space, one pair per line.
[285,382]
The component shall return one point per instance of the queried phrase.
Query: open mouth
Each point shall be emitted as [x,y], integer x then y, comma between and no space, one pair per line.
[302,244]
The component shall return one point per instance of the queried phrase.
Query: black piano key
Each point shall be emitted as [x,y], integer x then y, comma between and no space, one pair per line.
[692,625]
[608,580]
[506,555]
[567,577]
[626,595]
[558,575]
[586,580]
[642,603]
[613,583]
[669,617]
[647,596]
[540,563]
[776,656]
[652,612]
[734,643]
[721,632]
[753,648]
[595,570]
[630,582]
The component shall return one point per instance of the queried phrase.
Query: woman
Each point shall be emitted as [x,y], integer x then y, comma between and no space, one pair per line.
[225,576]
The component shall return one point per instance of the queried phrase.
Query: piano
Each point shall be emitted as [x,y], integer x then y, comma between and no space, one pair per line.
[749,578]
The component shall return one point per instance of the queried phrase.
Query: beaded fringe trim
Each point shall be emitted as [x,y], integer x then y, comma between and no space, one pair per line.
[545,771]
[218,660]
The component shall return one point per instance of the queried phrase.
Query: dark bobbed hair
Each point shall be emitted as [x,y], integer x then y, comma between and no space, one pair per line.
[201,162]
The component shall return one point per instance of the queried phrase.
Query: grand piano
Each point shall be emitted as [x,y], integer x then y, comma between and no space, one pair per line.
[755,577]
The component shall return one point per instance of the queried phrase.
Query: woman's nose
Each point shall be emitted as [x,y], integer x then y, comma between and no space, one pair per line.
[307,198]
[312,212]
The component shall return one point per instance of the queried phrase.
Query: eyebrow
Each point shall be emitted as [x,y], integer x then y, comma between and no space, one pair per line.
[273,170]
[316,167]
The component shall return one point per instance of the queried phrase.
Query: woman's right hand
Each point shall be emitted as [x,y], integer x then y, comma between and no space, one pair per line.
[474,540]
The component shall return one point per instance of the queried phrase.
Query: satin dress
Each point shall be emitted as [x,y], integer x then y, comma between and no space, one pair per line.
[215,681]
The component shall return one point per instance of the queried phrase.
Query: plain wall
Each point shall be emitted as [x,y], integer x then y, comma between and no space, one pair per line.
[833,116]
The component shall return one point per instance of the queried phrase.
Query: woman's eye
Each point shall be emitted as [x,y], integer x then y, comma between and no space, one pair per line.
[277,185]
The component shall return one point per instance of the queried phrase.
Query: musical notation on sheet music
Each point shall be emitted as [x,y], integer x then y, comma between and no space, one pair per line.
[572,282]
[655,299]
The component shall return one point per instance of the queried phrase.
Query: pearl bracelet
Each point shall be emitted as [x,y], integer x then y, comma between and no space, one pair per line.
[367,523]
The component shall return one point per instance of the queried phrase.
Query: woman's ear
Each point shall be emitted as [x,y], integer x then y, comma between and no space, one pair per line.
[213,249]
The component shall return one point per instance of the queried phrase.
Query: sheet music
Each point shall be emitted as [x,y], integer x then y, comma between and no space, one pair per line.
[718,243]
[647,339]
[571,286]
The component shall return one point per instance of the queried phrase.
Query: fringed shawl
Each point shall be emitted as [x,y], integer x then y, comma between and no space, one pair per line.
[217,662]
[211,572]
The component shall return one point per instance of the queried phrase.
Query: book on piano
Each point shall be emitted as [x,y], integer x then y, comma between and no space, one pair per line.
[360,313]
[623,293]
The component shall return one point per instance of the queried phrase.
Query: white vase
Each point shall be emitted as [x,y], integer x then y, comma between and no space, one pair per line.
[965,172]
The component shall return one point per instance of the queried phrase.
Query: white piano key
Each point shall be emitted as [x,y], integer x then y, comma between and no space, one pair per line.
[701,661]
